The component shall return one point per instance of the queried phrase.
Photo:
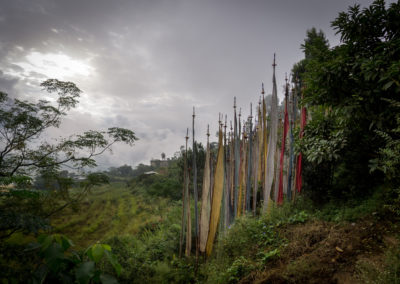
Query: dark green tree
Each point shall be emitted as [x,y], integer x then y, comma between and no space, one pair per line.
[125,171]
[314,47]
[141,169]
[347,89]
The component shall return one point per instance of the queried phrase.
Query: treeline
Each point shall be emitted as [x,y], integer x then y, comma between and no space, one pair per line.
[168,181]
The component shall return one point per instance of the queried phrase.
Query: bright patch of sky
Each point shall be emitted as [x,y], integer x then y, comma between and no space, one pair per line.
[54,65]
[143,64]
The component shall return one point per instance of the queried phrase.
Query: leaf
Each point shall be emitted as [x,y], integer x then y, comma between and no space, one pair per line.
[270,255]
[85,272]
[387,85]
[66,243]
[32,246]
[97,252]
[107,279]
[106,247]
[45,241]
[114,262]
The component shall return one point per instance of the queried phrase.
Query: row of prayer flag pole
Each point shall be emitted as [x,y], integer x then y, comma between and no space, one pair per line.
[246,172]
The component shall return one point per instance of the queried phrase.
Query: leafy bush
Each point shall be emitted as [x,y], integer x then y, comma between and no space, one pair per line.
[60,264]
[269,255]
[251,243]
[352,209]
[150,256]
[157,185]
[239,268]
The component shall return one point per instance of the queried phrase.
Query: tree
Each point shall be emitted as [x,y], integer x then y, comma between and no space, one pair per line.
[141,169]
[24,155]
[23,123]
[163,156]
[314,47]
[125,171]
[354,81]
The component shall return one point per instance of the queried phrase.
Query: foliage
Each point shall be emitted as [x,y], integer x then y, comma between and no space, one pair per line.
[150,255]
[269,255]
[60,264]
[350,211]
[143,231]
[393,202]
[251,243]
[167,184]
[24,154]
[27,210]
[122,171]
[347,89]
[141,169]
[389,155]
[324,136]
[239,268]
[22,124]
[314,47]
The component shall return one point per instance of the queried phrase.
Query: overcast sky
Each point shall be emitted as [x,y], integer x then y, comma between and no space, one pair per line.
[144,64]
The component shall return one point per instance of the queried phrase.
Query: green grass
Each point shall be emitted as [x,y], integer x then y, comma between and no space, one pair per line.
[143,231]
[108,211]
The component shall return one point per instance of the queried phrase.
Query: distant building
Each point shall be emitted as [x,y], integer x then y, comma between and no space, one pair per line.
[151,173]
[159,163]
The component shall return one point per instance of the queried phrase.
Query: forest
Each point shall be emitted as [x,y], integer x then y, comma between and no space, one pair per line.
[323,207]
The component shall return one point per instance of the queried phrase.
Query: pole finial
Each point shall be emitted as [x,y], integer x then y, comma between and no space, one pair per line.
[234,102]
[193,112]
[262,88]
[274,64]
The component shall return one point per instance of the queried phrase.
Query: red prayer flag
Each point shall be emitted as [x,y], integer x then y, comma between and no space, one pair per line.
[285,130]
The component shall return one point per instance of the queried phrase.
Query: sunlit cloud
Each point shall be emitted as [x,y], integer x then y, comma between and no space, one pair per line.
[144,64]
[55,65]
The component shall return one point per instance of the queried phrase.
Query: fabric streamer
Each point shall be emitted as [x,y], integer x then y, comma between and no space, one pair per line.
[285,130]
[205,199]
[217,195]
[273,136]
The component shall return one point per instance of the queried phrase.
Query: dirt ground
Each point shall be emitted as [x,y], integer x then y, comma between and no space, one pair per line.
[324,252]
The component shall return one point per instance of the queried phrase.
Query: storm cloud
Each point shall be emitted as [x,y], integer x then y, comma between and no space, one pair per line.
[144,64]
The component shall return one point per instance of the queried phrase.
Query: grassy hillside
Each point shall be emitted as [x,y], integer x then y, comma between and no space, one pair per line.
[353,242]
[339,243]
[356,242]
[108,211]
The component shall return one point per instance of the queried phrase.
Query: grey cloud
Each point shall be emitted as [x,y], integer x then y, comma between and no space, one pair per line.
[153,60]
[7,84]
[16,68]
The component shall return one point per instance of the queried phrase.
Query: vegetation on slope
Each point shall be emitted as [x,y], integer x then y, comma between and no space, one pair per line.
[343,229]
